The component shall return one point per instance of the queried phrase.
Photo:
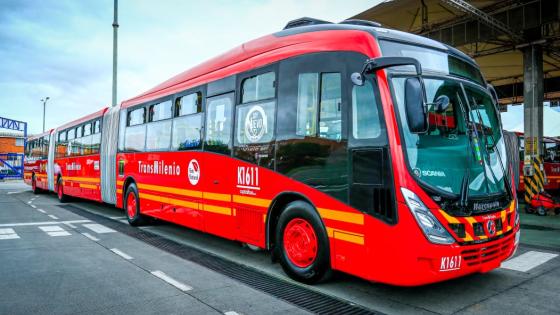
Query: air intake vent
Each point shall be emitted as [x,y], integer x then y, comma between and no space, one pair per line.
[361,22]
[305,21]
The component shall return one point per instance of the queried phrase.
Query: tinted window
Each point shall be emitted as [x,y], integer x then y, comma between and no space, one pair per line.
[136,117]
[308,87]
[259,87]
[87,129]
[134,138]
[330,120]
[255,123]
[95,142]
[218,122]
[188,104]
[96,126]
[160,111]
[71,134]
[158,135]
[365,117]
[328,102]
[187,132]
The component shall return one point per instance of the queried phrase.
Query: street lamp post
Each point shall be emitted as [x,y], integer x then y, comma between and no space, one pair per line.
[44,100]
[115,31]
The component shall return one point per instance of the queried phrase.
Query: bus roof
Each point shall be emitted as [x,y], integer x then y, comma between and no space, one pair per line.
[258,53]
[39,135]
[78,121]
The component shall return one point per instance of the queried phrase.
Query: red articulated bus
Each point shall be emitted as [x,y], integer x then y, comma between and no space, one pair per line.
[36,162]
[346,147]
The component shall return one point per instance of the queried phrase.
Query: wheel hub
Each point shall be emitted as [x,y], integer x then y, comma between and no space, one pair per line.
[300,242]
[131,205]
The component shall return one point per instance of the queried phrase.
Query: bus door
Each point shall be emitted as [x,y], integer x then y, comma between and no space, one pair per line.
[217,169]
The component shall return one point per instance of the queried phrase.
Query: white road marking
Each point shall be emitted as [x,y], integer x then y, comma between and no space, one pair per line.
[54,230]
[231,313]
[41,210]
[15,192]
[91,237]
[34,206]
[8,234]
[117,218]
[98,228]
[181,286]
[528,261]
[42,223]
[124,221]
[52,217]
[70,225]
[29,201]
[123,255]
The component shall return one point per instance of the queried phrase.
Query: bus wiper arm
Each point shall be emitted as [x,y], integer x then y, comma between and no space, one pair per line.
[464,198]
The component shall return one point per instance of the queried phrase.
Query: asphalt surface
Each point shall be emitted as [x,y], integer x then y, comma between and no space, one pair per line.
[62,263]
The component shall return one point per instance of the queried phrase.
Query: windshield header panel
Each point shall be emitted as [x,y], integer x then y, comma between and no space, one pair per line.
[433,60]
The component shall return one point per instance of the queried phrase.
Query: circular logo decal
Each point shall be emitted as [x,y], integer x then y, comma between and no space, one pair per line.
[491,227]
[194,172]
[417,172]
[255,124]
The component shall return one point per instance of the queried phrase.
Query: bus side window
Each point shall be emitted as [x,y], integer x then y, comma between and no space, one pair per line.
[187,124]
[365,116]
[218,123]
[135,132]
[158,134]
[319,93]
[95,137]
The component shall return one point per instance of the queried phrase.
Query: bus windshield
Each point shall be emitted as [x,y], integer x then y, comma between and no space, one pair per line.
[463,141]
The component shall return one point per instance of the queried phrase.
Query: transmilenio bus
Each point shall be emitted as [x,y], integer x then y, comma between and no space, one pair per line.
[345,147]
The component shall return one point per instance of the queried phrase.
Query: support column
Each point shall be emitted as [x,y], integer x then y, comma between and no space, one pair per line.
[533,94]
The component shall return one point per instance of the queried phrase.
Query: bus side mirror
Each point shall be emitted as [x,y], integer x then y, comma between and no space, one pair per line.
[414,105]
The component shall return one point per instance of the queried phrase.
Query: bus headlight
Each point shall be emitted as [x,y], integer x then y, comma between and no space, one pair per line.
[431,227]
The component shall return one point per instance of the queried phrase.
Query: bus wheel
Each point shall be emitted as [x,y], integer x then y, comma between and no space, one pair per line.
[132,206]
[302,244]
[541,211]
[34,185]
[60,191]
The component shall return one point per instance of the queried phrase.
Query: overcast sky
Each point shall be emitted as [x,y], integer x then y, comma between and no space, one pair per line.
[63,48]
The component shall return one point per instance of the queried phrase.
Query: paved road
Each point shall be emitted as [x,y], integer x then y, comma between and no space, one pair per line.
[79,273]
[55,262]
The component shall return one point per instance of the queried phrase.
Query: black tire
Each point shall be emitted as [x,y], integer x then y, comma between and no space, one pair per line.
[529,210]
[541,211]
[320,268]
[60,192]
[34,187]
[137,219]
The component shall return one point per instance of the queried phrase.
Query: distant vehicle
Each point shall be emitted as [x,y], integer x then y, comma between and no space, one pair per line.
[345,147]
[551,162]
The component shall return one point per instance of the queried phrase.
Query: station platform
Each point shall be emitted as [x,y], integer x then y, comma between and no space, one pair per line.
[83,257]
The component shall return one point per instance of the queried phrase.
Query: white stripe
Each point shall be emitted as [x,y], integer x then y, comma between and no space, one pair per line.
[171,281]
[230,313]
[34,206]
[7,231]
[43,223]
[98,228]
[55,228]
[61,233]
[53,217]
[70,225]
[123,255]
[29,201]
[117,218]
[124,221]
[8,236]
[15,192]
[91,237]
[528,261]
[41,210]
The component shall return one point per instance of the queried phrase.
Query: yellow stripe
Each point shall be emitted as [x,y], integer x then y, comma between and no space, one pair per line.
[176,191]
[356,218]
[216,209]
[345,236]
[251,201]
[119,191]
[120,182]
[178,202]
[468,237]
[40,175]
[83,179]
[215,196]
[449,218]
[88,186]
[264,218]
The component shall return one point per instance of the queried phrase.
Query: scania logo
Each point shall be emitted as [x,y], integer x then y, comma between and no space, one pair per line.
[491,227]
[477,206]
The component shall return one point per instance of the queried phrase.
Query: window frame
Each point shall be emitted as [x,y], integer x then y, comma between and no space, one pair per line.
[202,89]
[380,140]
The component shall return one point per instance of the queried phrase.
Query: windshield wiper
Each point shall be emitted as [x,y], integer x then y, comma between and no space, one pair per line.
[497,150]
[464,197]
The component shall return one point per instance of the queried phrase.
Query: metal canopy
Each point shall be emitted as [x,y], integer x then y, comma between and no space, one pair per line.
[492,32]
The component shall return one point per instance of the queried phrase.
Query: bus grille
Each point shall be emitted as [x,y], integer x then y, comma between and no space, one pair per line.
[484,254]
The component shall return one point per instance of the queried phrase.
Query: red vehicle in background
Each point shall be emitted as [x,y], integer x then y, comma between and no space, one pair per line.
[551,162]
[36,162]
[345,147]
